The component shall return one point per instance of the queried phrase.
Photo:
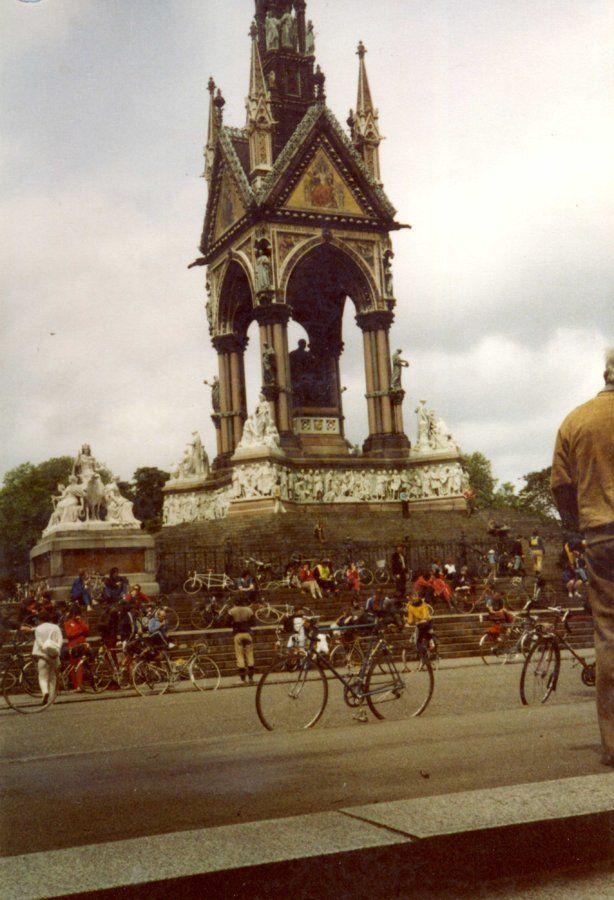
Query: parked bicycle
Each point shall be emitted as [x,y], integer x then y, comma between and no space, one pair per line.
[156,672]
[269,614]
[515,638]
[262,572]
[208,581]
[211,613]
[366,575]
[542,666]
[298,699]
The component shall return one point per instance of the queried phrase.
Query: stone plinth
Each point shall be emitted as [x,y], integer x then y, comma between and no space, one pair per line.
[61,555]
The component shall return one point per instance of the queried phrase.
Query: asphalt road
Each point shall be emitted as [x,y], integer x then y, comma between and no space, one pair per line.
[110,769]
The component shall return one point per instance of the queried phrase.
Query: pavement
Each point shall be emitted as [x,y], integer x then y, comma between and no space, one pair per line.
[85,779]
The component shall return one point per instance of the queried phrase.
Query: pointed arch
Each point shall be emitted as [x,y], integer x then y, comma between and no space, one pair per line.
[235,303]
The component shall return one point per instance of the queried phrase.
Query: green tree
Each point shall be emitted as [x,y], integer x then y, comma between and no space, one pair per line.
[481,478]
[25,507]
[148,482]
[536,495]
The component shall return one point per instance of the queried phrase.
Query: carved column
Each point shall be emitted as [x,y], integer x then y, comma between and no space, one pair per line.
[230,349]
[273,321]
[386,436]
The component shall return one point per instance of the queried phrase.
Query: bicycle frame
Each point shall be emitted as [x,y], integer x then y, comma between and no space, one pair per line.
[355,685]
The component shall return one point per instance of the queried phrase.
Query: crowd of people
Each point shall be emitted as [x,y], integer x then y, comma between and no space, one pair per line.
[128,614]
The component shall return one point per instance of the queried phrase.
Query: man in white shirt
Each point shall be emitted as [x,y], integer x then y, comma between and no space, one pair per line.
[48,642]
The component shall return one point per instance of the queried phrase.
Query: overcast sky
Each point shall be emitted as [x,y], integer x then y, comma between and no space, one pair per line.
[499,144]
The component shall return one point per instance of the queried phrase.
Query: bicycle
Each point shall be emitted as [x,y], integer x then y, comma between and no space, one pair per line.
[74,674]
[542,592]
[156,671]
[365,574]
[288,582]
[268,614]
[465,599]
[382,573]
[172,616]
[261,570]
[12,684]
[209,613]
[421,649]
[196,581]
[298,699]
[515,640]
[542,666]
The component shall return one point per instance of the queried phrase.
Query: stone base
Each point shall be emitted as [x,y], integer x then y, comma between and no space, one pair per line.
[60,556]
[259,507]
[387,446]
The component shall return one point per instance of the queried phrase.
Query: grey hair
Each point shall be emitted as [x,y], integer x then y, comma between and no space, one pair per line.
[609,366]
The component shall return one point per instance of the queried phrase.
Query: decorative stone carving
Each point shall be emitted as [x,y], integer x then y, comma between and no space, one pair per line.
[119,508]
[271,28]
[433,433]
[310,39]
[287,31]
[195,463]
[259,431]
[398,364]
[263,270]
[193,507]
[269,365]
[316,425]
[86,503]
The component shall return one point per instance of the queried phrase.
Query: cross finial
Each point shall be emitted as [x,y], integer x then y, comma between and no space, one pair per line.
[361,50]
[253,31]
[211,86]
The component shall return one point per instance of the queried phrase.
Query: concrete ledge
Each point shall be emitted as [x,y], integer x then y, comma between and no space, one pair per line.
[382,850]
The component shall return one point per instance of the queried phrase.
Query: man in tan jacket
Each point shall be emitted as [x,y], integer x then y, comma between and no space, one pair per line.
[583,488]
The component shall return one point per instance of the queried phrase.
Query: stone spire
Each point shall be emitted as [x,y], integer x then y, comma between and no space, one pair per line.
[364,122]
[260,121]
[211,132]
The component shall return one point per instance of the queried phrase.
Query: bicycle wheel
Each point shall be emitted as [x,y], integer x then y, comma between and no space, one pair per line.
[102,674]
[29,678]
[339,577]
[395,695]
[366,576]
[268,614]
[490,648]
[172,618]
[207,616]
[382,576]
[540,672]
[196,616]
[15,695]
[151,678]
[192,585]
[286,701]
[204,673]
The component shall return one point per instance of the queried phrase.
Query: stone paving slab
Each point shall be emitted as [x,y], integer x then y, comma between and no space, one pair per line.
[377,850]
[492,808]
[181,854]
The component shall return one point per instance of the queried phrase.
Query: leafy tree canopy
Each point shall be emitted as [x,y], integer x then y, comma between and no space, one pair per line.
[534,497]
[147,484]
[25,508]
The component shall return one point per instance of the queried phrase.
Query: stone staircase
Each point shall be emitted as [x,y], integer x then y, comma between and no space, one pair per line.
[458,634]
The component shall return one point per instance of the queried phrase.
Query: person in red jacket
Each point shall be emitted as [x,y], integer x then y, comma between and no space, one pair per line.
[76,630]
